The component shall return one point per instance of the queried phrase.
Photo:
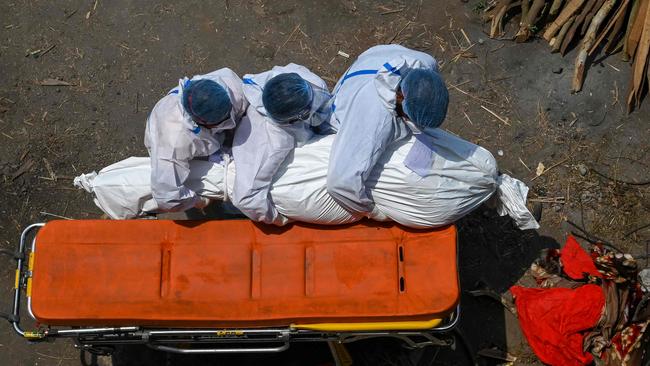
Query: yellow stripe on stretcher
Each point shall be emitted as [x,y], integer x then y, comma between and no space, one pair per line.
[349,327]
[17,279]
[30,266]
[34,335]
[29,287]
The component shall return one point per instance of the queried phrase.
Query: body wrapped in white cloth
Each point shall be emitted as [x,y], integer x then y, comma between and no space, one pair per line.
[462,177]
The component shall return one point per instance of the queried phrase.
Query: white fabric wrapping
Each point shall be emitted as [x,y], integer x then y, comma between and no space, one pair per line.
[123,190]
[462,178]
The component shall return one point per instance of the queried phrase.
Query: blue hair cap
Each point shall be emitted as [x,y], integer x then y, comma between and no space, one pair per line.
[425,97]
[206,101]
[285,96]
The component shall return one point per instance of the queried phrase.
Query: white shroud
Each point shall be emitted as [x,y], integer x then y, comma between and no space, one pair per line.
[461,178]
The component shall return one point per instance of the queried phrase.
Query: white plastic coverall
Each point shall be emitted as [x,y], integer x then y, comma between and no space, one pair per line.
[364,106]
[260,146]
[173,139]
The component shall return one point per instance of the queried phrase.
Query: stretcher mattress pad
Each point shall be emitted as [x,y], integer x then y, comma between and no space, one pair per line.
[239,273]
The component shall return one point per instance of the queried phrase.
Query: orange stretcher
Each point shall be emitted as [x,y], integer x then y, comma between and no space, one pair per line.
[180,285]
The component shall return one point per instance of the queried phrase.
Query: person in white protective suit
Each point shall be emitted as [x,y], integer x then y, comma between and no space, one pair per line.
[190,121]
[389,93]
[287,106]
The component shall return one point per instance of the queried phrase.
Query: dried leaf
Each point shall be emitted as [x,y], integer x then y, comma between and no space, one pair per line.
[540,169]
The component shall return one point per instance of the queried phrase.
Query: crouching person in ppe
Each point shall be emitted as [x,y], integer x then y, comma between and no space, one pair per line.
[389,93]
[288,105]
[191,121]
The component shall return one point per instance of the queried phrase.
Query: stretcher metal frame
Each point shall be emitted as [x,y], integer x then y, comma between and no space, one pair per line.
[101,340]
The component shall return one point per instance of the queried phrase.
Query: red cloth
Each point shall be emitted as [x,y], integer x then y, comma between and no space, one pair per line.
[553,321]
[576,261]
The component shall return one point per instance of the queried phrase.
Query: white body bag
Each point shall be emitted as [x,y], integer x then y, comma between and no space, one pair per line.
[462,177]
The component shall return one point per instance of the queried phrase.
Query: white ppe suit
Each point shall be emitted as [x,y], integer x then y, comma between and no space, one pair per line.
[173,139]
[261,145]
[364,107]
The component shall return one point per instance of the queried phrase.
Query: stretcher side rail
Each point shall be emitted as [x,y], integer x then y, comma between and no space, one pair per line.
[229,340]
[169,340]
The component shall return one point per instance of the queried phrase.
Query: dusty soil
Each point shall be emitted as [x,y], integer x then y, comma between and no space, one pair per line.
[120,57]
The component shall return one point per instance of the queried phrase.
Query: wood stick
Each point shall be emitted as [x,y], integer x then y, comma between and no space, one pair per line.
[473,97]
[576,24]
[524,164]
[590,37]
[287,40]
[525,6]
[496,115]
[567,11]
[622,9]
[628,29]
[469,42]
[556,41]
[555,7]
[636,30]
[615,39]
[54,215]
[496,28]
[525,30]
[640,62]
[548,200]
[400,31]
[590,16]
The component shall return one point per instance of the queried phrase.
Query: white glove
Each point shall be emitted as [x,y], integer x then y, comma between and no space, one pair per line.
[202,203]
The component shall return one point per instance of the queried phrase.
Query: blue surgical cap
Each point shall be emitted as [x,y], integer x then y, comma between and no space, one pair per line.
[206,101]
[425,97]
[285,96]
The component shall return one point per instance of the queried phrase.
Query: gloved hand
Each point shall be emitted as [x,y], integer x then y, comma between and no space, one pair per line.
[216,157]
[282,220]
[202,203]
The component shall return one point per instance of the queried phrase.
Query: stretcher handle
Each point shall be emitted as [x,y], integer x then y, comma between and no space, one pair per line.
[19,256]
[158,347]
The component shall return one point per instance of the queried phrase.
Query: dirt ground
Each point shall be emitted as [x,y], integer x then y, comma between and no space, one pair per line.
[119,57]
